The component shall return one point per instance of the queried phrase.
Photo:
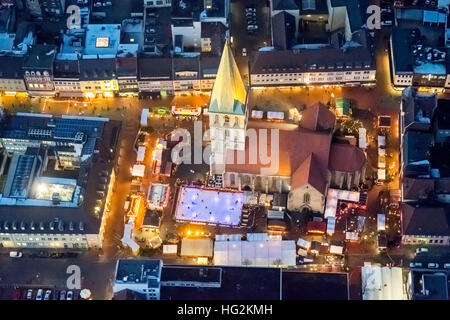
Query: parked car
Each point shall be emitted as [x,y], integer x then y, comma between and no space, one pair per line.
[39,294]
[62,295]
[415,265]
[30,294]
[446,265]
[15,254]
[421,250]
[432,265]
[69,295]
[48,293]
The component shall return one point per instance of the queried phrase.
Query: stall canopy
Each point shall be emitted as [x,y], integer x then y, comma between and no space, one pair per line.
[141,154]
[259,253]
[196,248]
[138,170]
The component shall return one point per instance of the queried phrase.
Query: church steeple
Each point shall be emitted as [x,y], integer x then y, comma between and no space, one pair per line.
[228,94]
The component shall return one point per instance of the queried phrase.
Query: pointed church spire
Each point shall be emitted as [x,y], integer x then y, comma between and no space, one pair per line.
[228,94]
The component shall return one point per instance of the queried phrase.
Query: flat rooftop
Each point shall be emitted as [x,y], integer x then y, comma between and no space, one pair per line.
[238,283]
[314,286]
[136,271]
[102,39]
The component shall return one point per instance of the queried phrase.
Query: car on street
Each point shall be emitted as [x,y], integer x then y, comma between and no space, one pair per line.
[30,294]
[15,254]
[39,294]
[62,295]
[415,265]
[433,265]
[421,250]
[69,295]
[48,293]
[244,52]
[446,265]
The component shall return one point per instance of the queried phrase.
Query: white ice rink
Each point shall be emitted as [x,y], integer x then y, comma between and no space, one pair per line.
[209,206]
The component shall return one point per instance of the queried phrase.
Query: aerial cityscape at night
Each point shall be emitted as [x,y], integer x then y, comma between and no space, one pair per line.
[246,150]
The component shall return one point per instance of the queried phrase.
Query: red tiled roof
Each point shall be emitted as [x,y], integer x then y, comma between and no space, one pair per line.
[318,118]
[346,158]
[310,172]
[293,146]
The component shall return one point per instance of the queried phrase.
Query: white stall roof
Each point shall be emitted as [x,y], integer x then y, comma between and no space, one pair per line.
[381,174]
[382,283]
[196,247]
[351,236]
[381,222]
[331,225]
[157,155]
[138,170]
[257,114]
[362,143]
[257,236]
[144,117]
[302,252]
[255,253]
[275,115]
[336,249]
[170,249]
[141,154]
[334,195]
[303,243]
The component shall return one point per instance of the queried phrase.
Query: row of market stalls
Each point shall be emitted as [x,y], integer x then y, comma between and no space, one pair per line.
[259,250]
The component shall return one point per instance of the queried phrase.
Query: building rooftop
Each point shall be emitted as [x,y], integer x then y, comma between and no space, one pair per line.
[66,69]
[313,7]
[286,4]
[314,286]
[215,31]
[40,57]
[414,53]
[237,283]
[191,274]
[417,188]
[311,60]
[11,67]
[442,115]
[418,109]
[126,66]
[97,69]
[102,39]
[137,271]
[356,11]
[426,219]
[181,65]
[155,68]
[283,30]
